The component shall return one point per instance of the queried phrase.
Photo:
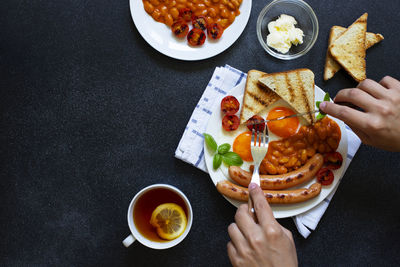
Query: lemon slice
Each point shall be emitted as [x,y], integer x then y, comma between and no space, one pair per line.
[170,220]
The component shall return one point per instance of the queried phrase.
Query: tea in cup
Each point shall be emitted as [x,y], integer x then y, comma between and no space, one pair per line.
[159,216]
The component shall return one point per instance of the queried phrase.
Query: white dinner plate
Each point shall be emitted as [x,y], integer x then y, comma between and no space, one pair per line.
[160,37]
[280,210]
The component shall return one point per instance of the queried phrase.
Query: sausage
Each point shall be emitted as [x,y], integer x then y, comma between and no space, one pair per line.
[274,197]
[281,181]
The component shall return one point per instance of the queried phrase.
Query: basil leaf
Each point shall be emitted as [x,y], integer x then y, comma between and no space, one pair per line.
[232,159]
[210,142]
[320,116]
[327,97]
[222,149]
[217,160]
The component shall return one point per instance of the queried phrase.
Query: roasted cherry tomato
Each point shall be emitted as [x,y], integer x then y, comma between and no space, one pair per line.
[186,14]
[196,37]
[257,127]
[180,28]
[325,176]
[230,122]
[199,22]
[333,160]
[229,105]
[214,31]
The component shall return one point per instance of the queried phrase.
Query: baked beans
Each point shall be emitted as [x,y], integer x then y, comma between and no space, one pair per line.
[293,152]
[222,12]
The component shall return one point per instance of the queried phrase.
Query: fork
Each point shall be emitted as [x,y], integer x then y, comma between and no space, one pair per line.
[259,148]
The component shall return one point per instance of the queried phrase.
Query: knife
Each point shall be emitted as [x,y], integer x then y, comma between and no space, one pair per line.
[284,117]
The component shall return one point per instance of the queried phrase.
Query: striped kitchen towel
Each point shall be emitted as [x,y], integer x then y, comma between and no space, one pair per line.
[191,146]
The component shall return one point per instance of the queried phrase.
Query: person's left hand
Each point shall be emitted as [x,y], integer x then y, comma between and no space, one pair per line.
[265,243]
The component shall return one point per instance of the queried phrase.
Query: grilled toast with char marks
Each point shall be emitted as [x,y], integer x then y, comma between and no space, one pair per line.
[295,87]
[256,98]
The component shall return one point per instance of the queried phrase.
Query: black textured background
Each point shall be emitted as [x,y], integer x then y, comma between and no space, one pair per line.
[90,114]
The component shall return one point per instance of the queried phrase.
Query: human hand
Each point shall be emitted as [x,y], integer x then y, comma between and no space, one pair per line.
[265,243]
[379,123]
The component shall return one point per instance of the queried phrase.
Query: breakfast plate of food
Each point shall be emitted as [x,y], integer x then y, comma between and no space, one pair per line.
[306,154]
[190,29]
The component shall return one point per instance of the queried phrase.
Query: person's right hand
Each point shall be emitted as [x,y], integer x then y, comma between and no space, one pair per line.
[379,123]
[260,243]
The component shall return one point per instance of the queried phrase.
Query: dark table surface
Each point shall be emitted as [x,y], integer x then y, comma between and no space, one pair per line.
[90,114]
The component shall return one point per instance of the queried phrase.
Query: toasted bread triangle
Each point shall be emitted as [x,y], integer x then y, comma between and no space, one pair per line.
[349,49]
[256,98]
[331,66]
[295,87]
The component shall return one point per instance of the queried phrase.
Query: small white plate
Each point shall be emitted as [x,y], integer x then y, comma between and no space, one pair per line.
[280,210]
[160,37]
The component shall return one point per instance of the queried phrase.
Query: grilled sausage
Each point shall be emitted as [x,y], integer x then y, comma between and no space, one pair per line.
[281,181]
[274,197]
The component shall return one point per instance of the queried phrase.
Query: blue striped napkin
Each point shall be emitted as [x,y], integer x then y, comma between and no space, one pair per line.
[191,146]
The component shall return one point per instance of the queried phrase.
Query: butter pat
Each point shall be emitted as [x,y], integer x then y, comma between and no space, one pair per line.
[283,33]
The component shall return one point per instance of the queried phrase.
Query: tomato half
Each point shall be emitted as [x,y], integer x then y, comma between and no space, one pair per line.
[257,127]
[230,122]
[282,128]
[325,176]
[179,28]
[186,14]
[199,22]
[196,37]
[333,160]
[214,31]
[229,105]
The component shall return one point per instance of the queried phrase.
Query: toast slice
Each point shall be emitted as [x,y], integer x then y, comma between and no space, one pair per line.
[331,66]
[349,49]
[256,98]
[295,87]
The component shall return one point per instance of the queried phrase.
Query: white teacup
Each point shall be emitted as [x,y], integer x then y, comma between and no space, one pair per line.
[136,235]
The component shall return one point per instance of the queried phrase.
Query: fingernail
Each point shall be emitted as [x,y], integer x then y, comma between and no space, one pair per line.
[322,105]
[252,186]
